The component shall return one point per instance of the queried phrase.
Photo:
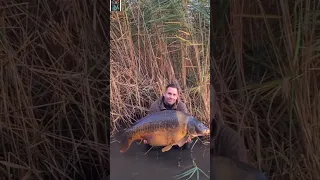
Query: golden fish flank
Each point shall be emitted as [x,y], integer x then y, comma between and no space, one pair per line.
[165,128]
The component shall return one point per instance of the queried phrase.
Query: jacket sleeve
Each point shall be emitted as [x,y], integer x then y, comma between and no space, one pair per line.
[153,108]
[183,108]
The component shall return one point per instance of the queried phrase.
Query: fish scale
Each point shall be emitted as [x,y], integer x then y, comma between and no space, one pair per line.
[152,126]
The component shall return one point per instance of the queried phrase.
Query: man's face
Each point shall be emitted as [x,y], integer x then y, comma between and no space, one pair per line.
[171,95]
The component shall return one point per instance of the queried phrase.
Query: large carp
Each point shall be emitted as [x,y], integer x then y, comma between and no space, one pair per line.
[165,128]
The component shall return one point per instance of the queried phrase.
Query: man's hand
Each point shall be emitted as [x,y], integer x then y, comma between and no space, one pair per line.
[189,140]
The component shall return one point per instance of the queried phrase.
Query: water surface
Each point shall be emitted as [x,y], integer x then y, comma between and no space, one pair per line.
[134,164]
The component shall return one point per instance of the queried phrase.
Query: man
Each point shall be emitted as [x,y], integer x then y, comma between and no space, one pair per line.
[170,100]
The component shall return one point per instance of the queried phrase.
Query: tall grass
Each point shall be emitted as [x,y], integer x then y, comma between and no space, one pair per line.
[266,70]
[154,43]
[53,87]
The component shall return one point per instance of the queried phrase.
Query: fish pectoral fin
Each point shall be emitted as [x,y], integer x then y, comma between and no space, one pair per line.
[167,148]
[182,141]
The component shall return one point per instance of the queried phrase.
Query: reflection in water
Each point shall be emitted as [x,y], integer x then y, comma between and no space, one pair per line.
[136,165]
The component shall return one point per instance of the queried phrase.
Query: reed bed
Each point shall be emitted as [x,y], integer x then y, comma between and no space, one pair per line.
[266,73]
[53,90]
[54,80]
[154,43]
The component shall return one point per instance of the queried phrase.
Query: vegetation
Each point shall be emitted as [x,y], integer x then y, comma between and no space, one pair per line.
[53,79]
[53,90]
[266,73]
[152,44]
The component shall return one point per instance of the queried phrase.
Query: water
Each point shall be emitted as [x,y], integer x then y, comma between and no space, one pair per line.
[134,164]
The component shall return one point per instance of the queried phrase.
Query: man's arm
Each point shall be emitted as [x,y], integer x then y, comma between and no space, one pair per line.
[153,108]
[183,108]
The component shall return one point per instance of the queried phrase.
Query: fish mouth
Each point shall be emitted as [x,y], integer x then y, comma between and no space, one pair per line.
[204,132]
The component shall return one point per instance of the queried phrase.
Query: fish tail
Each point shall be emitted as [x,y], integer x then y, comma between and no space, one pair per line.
[125,142]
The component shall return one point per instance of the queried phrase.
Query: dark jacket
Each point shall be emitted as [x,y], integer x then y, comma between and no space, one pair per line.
[227,142]
[158,105]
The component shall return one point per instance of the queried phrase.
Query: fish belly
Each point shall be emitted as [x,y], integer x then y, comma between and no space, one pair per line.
[163,137]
